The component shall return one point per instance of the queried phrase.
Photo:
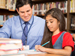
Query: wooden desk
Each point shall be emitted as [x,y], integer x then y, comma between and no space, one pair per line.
[43,55]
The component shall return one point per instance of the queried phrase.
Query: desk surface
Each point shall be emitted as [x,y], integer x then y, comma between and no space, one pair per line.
[43,55]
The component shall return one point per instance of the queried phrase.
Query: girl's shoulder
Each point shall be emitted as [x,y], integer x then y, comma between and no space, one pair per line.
[66,33]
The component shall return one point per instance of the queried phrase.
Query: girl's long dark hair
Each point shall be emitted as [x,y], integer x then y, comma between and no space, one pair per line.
[46,37]
[55,13]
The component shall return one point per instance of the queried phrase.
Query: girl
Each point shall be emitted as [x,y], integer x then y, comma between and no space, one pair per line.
[60,41]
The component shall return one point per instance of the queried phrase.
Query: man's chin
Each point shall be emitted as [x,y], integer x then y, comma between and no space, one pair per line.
[26,20]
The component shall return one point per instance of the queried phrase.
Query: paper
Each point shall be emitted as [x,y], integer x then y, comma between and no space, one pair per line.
[26,47]
[31,52]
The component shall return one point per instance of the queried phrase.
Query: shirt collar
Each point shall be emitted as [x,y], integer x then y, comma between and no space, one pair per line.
[30,21]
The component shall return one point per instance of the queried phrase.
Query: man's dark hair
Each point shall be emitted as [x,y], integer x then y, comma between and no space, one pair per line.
[20,3]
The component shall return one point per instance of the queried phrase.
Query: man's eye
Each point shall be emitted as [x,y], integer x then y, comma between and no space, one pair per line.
[22,12]
[28,10]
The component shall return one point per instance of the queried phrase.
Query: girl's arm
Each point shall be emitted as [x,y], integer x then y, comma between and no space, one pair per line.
[66,51]
[73,35]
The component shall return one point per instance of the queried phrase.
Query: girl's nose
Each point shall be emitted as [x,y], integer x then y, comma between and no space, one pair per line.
[48,24]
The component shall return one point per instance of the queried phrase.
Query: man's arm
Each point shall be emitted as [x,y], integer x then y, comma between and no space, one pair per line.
[5,30]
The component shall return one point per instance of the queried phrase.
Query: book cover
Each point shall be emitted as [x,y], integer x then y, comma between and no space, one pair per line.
[8,40]
[9,52]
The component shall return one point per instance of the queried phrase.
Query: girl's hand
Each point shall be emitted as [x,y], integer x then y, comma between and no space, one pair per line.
[40,48]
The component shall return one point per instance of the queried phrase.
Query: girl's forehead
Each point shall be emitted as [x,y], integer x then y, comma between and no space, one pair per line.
[48,17]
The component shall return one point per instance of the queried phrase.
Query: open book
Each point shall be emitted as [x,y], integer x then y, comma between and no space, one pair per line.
[25,52]
[31,52]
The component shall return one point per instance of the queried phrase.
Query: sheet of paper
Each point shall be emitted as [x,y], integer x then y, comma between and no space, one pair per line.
[31,52]
[26,47]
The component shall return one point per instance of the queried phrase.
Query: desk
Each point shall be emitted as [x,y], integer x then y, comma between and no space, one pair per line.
[26,54]
[43,55]
[35,53]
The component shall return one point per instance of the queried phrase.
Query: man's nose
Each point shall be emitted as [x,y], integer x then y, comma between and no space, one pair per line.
[25,14]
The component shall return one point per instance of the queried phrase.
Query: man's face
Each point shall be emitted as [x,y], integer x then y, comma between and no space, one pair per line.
[25,12]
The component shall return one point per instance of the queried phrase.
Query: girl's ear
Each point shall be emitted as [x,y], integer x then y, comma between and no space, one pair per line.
[58,22]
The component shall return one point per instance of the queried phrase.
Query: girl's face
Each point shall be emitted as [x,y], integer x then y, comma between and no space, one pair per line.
[52,23]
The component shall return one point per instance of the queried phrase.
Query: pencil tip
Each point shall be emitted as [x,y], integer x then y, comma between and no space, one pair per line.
[48,41]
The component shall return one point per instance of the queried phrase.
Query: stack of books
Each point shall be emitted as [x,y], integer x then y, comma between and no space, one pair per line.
[9,46]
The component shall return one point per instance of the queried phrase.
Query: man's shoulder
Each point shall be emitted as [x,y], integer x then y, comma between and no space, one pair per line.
[39,21]
[39,18]
[15,17]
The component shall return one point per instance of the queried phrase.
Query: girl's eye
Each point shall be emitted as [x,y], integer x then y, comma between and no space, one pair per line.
[46,22]
[51,21]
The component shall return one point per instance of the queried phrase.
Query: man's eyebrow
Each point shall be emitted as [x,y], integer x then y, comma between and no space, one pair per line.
[27,10]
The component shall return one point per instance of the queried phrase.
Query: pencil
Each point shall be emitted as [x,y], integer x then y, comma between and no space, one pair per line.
[45,43]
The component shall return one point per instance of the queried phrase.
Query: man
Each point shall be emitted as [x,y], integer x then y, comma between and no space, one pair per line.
[14,27]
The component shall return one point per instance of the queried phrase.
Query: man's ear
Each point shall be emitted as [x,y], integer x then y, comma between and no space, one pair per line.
[32,7]
[17,10]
